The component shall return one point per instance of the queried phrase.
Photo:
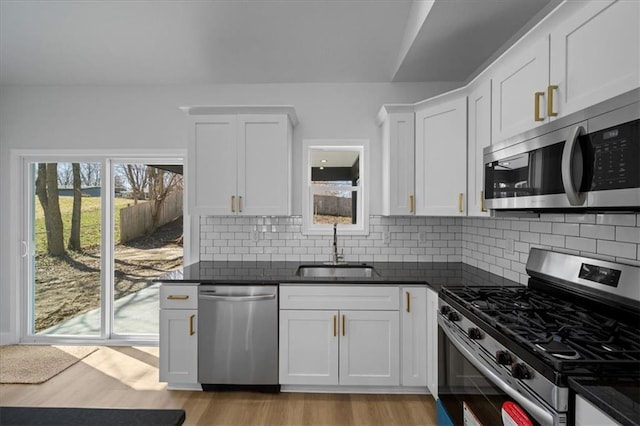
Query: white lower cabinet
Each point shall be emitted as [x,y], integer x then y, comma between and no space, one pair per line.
[414,336]
[178,335]
[351,344]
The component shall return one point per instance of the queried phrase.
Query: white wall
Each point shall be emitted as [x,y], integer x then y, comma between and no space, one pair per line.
[147,117]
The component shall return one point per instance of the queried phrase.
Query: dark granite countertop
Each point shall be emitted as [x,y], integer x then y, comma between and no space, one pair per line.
[619,397]
[433,274]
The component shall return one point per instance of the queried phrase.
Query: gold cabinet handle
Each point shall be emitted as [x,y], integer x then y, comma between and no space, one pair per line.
[335,325]
[177,297]
[411,203]
[192,329]
[550,112]
[408,302]
[536,113]
[233,204]
[240,204]
[460,202]
[344,324]
[482,209]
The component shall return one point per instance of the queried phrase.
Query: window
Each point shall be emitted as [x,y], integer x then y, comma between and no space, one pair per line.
[335,188]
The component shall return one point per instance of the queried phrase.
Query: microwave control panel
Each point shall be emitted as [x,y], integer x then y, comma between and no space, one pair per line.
[616,157]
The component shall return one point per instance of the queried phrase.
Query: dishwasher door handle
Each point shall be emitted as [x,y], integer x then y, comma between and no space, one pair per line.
[228,298]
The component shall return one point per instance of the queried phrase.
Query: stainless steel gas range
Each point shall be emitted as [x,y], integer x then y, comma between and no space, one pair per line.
[510,350]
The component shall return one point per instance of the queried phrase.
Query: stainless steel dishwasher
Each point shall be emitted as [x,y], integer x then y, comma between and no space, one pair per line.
[238,337]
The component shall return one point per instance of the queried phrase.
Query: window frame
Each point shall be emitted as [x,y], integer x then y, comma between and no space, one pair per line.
[308,188]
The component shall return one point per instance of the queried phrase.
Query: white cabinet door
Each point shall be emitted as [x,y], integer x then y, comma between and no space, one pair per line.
[595,54]
[479,138]
[264,165]
[432,342]
[516,80]
[441,157]
[212,165]
[414,336]
[369,348]
[308,347]
[398,158]
[178,346]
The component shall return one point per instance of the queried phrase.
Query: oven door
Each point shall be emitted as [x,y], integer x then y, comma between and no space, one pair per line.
[470,392]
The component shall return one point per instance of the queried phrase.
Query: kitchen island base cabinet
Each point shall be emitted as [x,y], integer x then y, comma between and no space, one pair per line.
[339,348]
[178,336]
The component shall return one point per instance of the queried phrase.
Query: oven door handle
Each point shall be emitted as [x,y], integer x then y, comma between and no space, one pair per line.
[542,415]
[228,298]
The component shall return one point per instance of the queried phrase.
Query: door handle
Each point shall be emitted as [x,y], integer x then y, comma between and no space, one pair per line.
[576,198]
[229,298]
[335,325]
[233,204]
[411,203]
[460,202]
[240,204]
[192,330]
[536,112]
[482,209]
[344,325]
[550,111]
[408,302]
[177,297]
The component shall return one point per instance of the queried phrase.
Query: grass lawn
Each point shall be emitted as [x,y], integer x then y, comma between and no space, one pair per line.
[90,221]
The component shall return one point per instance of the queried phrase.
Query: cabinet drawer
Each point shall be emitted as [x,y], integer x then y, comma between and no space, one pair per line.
[339,297]
[179,296]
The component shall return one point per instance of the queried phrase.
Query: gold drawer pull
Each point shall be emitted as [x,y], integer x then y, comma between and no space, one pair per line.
[411,204]
[335,325]
[192,330]
[550,111]
[177,297]
[536,113]
[408,302]
[460,202]
[344,325]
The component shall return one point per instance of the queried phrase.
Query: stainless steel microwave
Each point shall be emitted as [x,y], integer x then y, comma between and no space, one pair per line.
[589,160]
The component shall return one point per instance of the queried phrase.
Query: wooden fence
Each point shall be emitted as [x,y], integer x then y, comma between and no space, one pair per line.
[136,220]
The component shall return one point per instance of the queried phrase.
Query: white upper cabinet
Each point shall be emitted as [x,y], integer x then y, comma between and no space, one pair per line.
[239,160]
[441,156]
[398,157]
[595,54]
[519,84]
[479,138]
[584,53]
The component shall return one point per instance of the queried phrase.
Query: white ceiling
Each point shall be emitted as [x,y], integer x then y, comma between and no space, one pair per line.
[106,42]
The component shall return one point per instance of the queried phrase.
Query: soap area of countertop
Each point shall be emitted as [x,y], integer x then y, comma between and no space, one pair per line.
[432,274]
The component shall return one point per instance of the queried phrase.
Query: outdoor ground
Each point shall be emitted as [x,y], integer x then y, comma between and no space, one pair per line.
[66,287]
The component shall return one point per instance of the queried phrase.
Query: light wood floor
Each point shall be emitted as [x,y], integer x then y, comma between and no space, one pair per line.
[127,377]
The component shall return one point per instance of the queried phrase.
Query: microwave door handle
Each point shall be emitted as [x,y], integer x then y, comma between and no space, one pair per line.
[575,197]
[542,415]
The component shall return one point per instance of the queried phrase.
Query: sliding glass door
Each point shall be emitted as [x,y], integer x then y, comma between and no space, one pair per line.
[97,233]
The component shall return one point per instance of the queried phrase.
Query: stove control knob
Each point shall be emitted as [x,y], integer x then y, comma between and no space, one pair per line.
[474,333]
[444,310]
[520,371]
[504,358]
[453,316]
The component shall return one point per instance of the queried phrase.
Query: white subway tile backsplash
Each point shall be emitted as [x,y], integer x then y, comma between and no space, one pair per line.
[617,219]
[566,229]
[628,234]
[601,232]
[614,248]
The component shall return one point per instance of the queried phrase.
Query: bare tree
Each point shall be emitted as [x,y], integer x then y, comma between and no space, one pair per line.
[90,174]
[47,192]
[74,238]
[136,175]
[65,174]
[161,184]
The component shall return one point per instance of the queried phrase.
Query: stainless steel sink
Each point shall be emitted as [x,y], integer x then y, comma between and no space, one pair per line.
[336,271]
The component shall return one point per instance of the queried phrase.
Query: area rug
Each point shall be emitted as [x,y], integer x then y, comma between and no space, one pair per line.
[33,364]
